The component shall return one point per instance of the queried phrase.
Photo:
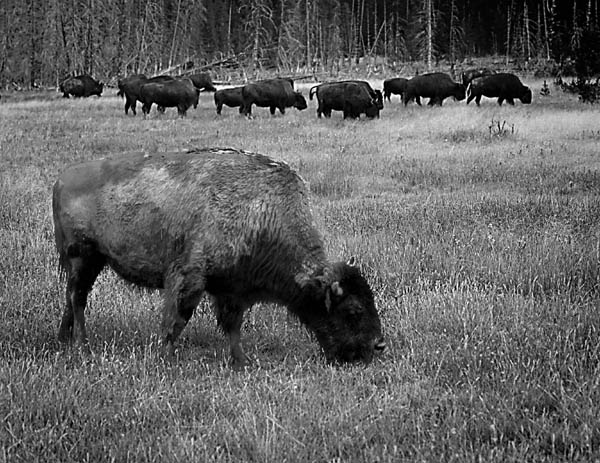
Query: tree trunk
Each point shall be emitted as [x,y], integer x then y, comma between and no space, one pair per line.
[308,60]
[508,21]
[429,34]
[174,33]
[451,38]
[527,36]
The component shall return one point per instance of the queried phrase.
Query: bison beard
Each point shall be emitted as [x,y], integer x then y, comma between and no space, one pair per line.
[233,224]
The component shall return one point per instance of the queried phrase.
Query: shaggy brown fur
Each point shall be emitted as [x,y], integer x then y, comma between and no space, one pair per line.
[234,224]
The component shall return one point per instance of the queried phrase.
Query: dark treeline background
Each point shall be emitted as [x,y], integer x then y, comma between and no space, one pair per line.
[42,41]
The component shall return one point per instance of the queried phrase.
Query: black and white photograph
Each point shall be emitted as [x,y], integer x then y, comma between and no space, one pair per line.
[326,231]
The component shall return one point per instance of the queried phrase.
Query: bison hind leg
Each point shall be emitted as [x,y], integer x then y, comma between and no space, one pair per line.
[82,271]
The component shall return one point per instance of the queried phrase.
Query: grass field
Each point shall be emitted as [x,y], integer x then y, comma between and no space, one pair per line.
[477,228]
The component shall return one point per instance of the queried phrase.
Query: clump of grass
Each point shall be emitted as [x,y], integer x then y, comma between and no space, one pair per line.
[499,130]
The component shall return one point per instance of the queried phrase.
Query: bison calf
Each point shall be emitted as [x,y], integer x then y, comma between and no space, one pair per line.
[234,224]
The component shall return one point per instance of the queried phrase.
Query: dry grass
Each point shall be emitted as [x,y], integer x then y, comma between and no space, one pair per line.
[481,244]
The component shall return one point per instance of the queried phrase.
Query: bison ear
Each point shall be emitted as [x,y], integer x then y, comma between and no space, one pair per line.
[328,301]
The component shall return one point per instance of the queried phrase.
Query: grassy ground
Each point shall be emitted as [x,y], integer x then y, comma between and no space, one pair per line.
[478,229]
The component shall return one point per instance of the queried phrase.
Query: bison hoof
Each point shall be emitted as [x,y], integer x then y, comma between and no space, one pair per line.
[168,350]
[239,363]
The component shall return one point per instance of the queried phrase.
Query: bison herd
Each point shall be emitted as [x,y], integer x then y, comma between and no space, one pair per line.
[352,97]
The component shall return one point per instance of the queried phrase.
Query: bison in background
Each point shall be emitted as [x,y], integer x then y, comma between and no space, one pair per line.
[203,81]
[273,94]
[81,86]
[470,74]
[231,97]
[437,86]
[234,224]
[396,86]
[353,97]
[358,100]
[504,86]
[376,95]
[131,86]
[179,93]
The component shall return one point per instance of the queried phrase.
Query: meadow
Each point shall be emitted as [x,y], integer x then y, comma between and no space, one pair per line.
[477,228]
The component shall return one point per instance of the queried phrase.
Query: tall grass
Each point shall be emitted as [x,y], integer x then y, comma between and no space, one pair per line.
[481,244]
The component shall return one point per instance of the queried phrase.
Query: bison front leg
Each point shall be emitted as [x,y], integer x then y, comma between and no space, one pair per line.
[182,294]
[146,109]
[229,318]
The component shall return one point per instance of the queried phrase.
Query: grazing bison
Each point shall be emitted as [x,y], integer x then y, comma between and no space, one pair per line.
[351,97]
[273,94]
[231,97]
[81,86]
[470,74]
[234,224]
[396,86]
[336,96]
[504,86]
[357,101]
[437,86]
[130,87]
[203,81]
[179,93]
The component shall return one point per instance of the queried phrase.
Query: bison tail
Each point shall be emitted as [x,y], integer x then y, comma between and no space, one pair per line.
[312,91]
[63,258]
[469,89]
[59,235]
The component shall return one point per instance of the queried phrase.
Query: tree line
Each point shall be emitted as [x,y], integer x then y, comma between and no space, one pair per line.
[44,41]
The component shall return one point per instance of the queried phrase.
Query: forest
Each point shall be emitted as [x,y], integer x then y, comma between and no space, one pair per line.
[44,41]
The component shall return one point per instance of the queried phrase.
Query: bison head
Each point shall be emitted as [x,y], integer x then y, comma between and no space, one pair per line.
[526,96]
[372,111]
[459,93]
[345,321]
[299,101]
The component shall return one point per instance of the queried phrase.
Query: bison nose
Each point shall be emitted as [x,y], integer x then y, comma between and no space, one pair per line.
[379,345]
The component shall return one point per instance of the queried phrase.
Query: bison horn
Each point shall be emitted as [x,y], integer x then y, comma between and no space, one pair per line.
[352,261]
[337,289]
